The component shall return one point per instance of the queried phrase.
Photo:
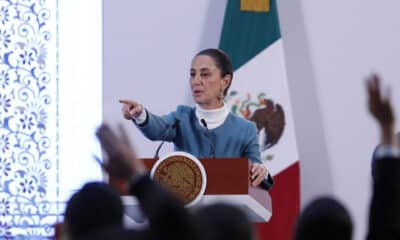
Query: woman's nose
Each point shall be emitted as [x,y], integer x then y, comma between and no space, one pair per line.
[196,80]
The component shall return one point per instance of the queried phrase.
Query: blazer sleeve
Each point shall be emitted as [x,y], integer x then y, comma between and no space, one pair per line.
[252,152]
[384,216]
[159,128]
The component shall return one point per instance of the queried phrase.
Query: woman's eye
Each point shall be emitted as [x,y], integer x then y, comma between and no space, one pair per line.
[204,75]
[192,75]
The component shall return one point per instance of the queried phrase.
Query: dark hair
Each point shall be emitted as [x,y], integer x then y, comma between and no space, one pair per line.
[94,207]
[223,221]
[222,61]
[324,218]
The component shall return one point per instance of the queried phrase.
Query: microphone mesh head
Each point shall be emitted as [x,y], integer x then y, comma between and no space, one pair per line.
[203,122]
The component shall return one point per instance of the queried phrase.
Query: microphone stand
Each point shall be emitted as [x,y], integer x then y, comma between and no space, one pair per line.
[170,127]
[209,137]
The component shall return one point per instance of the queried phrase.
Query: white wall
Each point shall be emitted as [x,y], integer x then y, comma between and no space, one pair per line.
[80,98]
[330,47]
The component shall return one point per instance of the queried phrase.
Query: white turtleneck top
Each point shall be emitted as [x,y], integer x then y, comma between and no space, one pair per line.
[214,118]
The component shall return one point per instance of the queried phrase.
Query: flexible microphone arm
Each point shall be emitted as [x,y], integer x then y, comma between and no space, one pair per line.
[170,127]
[209,137]
[158,150]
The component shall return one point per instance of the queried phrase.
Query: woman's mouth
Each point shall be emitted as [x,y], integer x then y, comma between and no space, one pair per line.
[197,92]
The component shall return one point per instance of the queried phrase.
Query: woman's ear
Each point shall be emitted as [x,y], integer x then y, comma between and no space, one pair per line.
[226,81]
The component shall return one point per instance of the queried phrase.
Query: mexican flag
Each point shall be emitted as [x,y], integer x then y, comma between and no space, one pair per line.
[259,92]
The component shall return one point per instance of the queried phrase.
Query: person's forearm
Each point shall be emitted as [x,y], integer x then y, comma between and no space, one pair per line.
[158,128]
[388,136]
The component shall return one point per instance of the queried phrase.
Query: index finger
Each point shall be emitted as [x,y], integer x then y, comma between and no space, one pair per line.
[373,85]
[254,167]
[130,102]
[258,180]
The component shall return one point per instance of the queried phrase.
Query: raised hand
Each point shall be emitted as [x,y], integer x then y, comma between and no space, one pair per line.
[131,109]
[121,162]
[380,107]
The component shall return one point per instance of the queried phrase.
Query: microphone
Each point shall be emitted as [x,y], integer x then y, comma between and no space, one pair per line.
[209,137]
[170,127]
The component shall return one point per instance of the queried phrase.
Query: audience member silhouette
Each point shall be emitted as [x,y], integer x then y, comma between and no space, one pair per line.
[324,218]
[95,206]
[167,216]
[384,216]
[224,221]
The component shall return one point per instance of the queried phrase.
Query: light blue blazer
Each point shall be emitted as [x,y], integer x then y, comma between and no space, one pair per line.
[236,137]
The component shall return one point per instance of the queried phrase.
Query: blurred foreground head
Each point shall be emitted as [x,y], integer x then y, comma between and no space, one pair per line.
[324,218]
[224,221]
[94,207]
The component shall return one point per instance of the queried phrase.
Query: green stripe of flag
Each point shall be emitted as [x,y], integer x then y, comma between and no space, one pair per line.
[245,34]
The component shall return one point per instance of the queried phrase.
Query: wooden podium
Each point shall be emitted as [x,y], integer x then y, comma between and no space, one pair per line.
[228,180]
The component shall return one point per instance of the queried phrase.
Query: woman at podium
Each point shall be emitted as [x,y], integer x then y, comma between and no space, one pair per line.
[208,129]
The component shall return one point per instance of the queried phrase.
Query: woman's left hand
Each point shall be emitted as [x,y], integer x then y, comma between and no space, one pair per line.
[258,173]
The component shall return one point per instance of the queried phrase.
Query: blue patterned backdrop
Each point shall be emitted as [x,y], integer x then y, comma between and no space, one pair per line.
[28,120]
